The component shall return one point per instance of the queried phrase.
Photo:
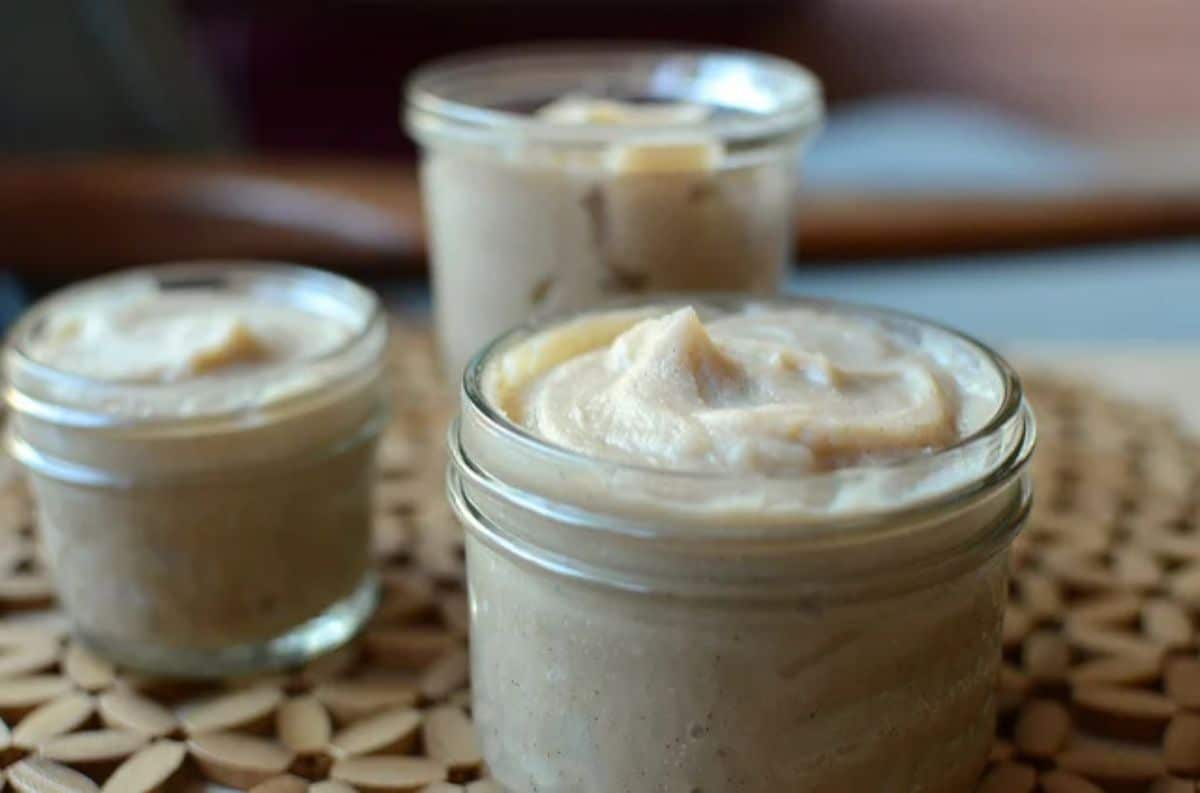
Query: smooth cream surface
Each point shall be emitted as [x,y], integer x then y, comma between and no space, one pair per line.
[647,148]
[140,337]
[581,109]
[773,391]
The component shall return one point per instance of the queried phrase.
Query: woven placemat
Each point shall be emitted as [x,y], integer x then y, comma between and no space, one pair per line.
[1100,687]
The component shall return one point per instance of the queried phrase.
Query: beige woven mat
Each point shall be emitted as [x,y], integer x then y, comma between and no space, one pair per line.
[1100,688]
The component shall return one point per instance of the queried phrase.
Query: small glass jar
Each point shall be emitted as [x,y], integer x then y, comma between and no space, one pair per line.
[218,524]
[528,214]
[641,629]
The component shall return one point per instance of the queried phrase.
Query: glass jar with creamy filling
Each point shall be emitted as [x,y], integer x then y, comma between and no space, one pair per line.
[732,545]
[555,177]
[200,442]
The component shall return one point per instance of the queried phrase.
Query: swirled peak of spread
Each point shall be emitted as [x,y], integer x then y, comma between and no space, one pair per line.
[769,390]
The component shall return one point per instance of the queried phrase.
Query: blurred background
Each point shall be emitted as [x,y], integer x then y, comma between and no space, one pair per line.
[1026,169]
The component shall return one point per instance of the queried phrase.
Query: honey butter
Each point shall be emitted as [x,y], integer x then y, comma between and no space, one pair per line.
[728,545]
[200,441]
[554,181]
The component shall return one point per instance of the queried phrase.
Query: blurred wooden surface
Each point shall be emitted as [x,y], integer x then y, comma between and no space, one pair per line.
[66,218]
[70,217]
[848,227]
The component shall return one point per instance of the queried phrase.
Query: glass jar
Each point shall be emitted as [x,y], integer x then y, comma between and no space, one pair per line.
[217,524]
[642,629]
[526,213]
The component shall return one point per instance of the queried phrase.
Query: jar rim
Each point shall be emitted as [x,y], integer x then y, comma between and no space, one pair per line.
[1011,408]
[774,97]
[182,273]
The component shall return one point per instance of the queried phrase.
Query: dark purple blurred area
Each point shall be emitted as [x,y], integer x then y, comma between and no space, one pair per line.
[329,77]
[320,76]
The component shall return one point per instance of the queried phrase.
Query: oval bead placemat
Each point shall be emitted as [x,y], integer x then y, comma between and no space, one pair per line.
[1099,691]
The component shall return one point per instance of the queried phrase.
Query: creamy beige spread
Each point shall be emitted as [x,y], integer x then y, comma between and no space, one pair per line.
[136,337]
[658,137]
[658,140]
[227,457]
[768,391]
[763,626]
[657,204]
[582,109]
